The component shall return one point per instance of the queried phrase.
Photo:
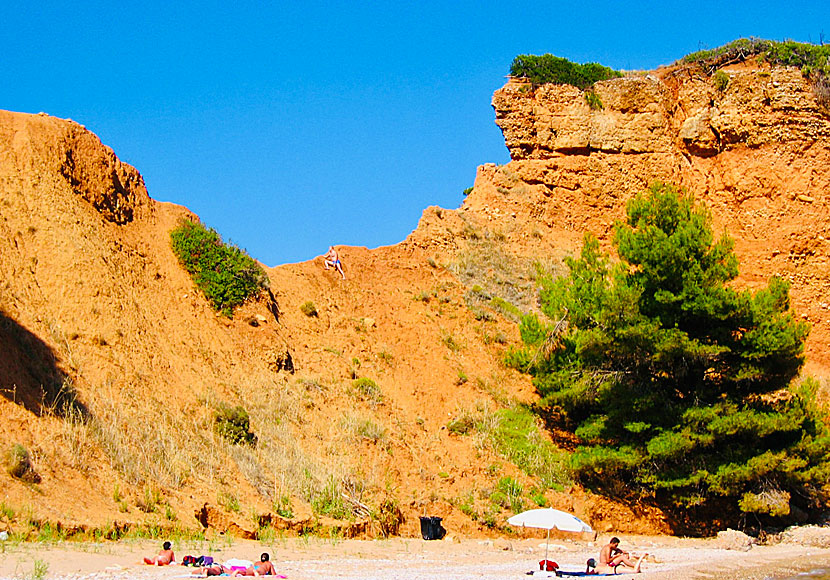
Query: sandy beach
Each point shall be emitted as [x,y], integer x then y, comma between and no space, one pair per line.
[410,559]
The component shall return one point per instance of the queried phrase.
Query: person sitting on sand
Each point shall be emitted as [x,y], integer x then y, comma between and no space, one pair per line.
[332,259]
[164,557]
[611,556]
[262,568]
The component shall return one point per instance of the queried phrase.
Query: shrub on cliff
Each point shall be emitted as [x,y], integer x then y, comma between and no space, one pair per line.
[234,424]
[548,68]
[678,386]
[812,59]
[225,274]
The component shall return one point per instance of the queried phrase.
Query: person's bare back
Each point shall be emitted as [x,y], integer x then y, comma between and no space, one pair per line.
[262,568]
[164,558]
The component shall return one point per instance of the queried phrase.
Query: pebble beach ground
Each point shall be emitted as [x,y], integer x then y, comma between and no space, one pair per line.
[410,559]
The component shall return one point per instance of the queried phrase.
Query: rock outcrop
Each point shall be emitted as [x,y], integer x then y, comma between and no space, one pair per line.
[757,153]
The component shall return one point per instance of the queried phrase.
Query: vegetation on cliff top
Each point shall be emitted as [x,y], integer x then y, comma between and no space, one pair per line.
[810,58]
[227,275]
[678,386]
[548,68]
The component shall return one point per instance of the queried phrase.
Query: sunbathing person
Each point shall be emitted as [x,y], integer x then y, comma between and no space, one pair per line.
[164,557]
[212,570]
[611,556]
[262,568]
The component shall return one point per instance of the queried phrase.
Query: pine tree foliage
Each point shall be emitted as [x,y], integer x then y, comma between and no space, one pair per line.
[678,385]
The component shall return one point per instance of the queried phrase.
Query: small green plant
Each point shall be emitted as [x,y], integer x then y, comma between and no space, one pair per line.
[119,499]
[389,517]
[488,518]
[39,570]
[330,502]
[721,80]
[364,428]
[443,474]
[468,506]
[538,497]
[6,511]
[462,423]
[509,494]
[423,296]
[367,389]
[169,514]
[226,275]
[461,378]
[309,309]
[451,342]
[282,506]
[19,464]
[233,423]
[151,501]
[228,501]
[593,100]
[506,308]
[467,191]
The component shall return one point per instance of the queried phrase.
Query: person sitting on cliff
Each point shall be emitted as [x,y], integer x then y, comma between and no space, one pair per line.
[262,568]
[332,259]
[611,556]
[164,558]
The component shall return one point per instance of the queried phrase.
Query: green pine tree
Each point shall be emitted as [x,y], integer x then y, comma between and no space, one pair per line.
[678,386]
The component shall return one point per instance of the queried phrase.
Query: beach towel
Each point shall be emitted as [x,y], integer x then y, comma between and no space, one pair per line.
[589,574]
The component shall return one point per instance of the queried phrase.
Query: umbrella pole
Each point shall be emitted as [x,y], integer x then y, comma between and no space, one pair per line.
[547,541]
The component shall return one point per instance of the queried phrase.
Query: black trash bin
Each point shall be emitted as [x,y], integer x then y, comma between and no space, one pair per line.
[431,528]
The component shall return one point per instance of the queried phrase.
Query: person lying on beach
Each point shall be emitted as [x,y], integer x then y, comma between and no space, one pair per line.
[611,556]
[164,557]
[212,570]
[262,568]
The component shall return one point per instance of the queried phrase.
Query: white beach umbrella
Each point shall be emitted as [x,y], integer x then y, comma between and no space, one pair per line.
[549,519]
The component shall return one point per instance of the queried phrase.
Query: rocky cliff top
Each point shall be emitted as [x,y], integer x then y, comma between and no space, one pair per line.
[678,110]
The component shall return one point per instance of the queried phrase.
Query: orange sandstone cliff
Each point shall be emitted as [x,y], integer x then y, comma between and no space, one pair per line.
[112,364]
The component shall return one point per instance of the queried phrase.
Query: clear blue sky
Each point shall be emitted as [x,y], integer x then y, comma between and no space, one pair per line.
[289,126]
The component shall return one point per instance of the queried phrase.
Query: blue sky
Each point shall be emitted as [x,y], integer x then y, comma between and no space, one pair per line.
[289,126]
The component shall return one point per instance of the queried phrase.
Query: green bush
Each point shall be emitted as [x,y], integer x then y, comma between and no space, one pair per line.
[308,309]
[593,100]
[367,389]
[812,59]
[548,68]
[720,80]
[233,423]
[225,274]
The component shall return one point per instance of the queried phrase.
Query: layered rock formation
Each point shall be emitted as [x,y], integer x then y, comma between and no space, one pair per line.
[755,152]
